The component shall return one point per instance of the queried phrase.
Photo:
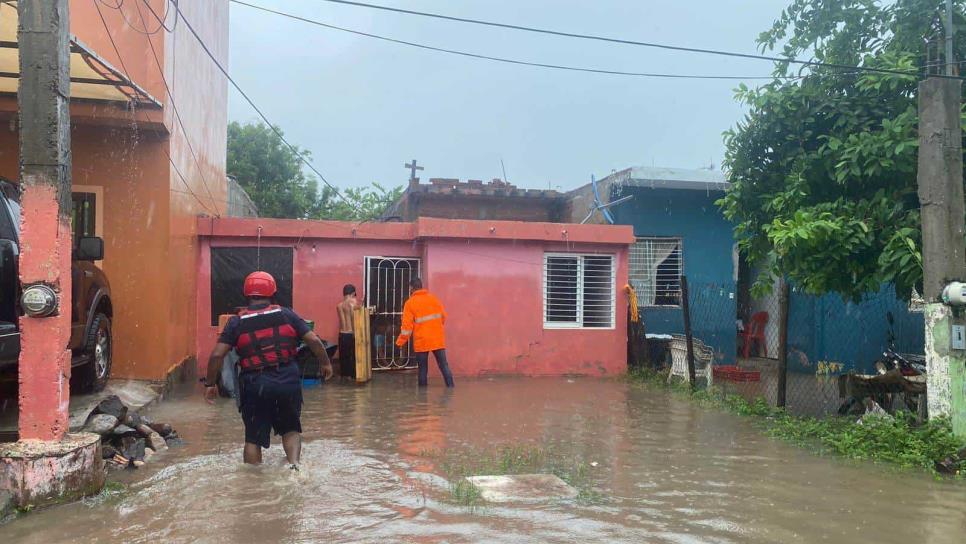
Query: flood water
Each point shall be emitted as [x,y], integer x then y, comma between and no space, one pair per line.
[662,470]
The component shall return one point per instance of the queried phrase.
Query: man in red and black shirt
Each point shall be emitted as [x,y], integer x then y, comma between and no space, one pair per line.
[266,337]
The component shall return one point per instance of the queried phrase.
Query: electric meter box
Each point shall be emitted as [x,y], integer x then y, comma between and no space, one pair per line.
[955,294]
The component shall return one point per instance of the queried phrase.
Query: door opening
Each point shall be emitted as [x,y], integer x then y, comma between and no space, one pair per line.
[387,288]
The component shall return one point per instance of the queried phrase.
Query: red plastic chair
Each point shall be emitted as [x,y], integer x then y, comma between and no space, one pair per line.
[754,332]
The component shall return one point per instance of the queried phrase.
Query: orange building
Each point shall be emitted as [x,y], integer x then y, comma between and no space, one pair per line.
[149,120]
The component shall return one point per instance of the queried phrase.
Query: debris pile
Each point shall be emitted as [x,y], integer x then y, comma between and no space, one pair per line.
[128,440]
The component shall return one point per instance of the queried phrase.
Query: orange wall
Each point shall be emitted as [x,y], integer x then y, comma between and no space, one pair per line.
[128,35]
[199,151]
[134,209]
[150,225]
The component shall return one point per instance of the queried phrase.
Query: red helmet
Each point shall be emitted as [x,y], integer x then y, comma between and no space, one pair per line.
[259,284]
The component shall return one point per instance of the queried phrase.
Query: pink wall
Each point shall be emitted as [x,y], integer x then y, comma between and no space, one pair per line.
[489,275]
[492,291]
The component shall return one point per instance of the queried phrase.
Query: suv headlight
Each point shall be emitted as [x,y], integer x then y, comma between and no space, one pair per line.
[39,301]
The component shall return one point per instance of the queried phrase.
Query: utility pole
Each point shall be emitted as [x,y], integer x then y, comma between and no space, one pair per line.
[942,208]
[45,244]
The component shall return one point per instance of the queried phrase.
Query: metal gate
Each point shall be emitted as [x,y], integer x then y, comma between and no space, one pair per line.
[387,288]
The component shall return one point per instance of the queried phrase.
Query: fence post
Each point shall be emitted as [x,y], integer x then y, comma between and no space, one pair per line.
[782,345]
[685,307]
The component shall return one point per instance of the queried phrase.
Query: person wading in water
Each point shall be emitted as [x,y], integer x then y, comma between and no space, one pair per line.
[266,337]
[347,338]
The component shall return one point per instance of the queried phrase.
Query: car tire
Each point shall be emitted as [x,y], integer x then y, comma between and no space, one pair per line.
[99,350]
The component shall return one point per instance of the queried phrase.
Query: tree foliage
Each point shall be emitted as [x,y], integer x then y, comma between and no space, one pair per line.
[273,176]
[823,167]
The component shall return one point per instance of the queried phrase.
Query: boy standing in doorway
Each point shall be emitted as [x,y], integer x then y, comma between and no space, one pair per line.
[347,338]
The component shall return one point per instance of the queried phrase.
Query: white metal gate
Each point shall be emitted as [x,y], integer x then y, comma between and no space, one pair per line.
[387,288]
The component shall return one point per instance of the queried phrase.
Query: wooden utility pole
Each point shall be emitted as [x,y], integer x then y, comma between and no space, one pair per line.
[45,244]
[942,208]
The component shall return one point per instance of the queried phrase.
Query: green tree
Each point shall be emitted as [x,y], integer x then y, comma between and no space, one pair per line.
[271,173]
[273,176]
[823,166]
[362,203]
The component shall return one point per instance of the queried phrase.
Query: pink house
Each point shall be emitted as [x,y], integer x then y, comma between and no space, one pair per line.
[523,298]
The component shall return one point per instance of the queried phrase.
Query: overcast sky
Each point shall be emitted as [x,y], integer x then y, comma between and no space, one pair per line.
[364,107]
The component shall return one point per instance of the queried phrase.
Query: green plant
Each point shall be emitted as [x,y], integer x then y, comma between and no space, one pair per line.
[823,166]
[898,440]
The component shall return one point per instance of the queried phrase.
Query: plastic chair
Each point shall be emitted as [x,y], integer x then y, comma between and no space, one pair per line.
[754,332]
[703,359]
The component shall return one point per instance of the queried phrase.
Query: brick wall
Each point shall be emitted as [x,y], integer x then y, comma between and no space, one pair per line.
[473,199]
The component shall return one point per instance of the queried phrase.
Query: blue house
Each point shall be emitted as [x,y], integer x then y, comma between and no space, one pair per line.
[681,232]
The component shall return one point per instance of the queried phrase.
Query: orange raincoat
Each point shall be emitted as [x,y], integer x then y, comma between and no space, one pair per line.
[423,320]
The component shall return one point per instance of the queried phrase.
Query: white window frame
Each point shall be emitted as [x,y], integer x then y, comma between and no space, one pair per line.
[578,323]
[631,268]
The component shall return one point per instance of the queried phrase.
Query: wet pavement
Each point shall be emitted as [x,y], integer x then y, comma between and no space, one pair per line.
[661,470]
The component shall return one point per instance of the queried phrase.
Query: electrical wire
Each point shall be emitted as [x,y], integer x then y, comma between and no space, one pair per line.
[174,107]
[119,7]
[503,59]
[655,45]
[261,114]
[120,58]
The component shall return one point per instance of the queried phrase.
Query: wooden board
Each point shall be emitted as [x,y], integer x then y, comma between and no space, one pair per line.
[360,322]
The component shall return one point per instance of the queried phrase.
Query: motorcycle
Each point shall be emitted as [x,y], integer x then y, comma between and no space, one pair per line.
[907,365]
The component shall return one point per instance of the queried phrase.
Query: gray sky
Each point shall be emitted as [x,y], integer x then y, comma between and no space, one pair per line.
[364,107]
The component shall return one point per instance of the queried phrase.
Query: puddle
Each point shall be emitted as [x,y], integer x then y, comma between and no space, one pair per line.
[661,470]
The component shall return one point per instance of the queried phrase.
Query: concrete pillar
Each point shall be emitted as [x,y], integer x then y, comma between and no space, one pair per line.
[45,240]
[47,465]
[942,205]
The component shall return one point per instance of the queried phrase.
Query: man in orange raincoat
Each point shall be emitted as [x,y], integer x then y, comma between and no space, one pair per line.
[423,320]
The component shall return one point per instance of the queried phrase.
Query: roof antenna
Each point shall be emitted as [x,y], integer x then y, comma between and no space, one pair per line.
[504,170]
[598,204]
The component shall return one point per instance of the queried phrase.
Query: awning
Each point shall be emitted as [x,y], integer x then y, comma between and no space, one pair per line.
[92,78]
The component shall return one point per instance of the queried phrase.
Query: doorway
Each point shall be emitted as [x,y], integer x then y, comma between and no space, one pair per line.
[387,288]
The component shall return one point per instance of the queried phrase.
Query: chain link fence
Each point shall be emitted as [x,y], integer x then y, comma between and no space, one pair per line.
[826,356]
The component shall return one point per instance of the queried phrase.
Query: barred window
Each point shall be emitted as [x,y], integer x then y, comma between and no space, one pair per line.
[655,271]
[578,291]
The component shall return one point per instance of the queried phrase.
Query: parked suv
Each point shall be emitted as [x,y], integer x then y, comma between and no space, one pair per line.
[91,310]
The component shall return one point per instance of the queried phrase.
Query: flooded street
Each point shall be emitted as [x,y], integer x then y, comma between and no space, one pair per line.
[660,470]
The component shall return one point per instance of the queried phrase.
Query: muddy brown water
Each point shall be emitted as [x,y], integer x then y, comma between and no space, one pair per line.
[666,471]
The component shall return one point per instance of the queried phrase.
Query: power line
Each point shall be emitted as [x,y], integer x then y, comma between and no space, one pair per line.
[502,59]
[592,37]
[174,106]
[120,59]
[261,114]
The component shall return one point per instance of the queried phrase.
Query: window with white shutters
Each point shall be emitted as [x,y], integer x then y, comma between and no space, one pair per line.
[578,291]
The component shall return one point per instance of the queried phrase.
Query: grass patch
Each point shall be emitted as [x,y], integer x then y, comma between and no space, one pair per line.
[456,466]
[899,440]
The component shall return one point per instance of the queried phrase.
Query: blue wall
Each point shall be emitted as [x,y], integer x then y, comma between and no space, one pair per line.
[820,329]
[830,330]
[707,246]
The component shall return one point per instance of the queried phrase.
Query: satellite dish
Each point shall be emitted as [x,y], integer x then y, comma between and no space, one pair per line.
[599,205]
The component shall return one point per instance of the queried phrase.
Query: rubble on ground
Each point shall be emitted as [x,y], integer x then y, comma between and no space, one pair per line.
[128,439]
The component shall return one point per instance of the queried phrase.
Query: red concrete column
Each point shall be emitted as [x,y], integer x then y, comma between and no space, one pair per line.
[44,357]
[45,241]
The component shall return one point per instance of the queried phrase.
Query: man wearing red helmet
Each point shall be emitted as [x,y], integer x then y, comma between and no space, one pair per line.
[266,338]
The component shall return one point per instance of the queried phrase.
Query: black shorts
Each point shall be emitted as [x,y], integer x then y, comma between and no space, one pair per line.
[267,405]
[347,354]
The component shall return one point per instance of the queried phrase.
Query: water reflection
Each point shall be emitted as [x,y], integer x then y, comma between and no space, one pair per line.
[666,471]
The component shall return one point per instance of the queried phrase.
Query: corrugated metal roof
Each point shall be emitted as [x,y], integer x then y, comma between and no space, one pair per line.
[670,178]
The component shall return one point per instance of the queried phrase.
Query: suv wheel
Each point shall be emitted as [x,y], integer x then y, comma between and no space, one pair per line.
[99,352]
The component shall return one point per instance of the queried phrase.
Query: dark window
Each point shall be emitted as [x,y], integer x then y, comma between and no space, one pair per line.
[230,266]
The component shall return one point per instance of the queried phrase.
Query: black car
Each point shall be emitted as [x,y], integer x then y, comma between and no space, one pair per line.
[91,308]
